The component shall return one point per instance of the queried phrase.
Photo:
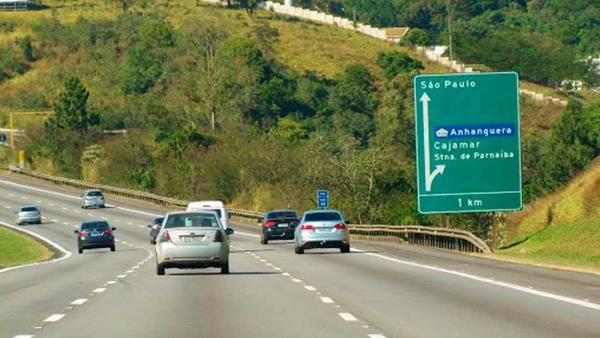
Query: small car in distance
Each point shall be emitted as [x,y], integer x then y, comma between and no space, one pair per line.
[155,228]
[29,214]
[322,229]
[278,224]
[95,234]
[192,240]
[92,198]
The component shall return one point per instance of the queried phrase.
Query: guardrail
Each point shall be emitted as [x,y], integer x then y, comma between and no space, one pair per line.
[452,239]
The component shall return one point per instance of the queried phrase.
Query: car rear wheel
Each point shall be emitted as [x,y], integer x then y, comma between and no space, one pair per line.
[345,248]
[264,240]
[160,270]
[80,250]
[298,250]
[112,248]
[225,268]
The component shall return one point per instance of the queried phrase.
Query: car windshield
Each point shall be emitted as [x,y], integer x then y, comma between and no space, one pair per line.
[218,211]
[94,193]
[323,216]
[29,209]
[196,219]
[281,214]
[94,226]
[159,220]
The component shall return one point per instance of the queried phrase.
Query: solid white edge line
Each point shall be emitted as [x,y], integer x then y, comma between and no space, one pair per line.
[40,190]
[511,286]
[23,336]
[65,253]
[376,335]
[55,317]
[347,316]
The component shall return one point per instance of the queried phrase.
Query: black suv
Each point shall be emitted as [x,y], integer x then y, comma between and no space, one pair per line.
[95,234]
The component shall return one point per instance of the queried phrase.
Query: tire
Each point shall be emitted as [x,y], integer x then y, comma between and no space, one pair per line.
[345,248]
[83,207]
[298,250]
[103,206]
[264,240]
[160,270]
[112,248]
[80,250]
[225,268]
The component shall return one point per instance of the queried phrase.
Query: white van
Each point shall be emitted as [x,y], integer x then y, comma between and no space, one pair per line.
[216,206]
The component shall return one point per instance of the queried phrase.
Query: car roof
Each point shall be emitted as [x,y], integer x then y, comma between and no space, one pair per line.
[206,204]
[171,213]
[92,190]
[95,221]
[29,206]
[282,210]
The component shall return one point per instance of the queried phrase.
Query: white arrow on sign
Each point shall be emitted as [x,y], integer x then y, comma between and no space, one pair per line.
[439,169]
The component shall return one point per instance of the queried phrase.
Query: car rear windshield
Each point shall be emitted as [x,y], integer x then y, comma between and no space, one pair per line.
[29,209]
[159,220]
[218,211]
[94,193]
[323,216]
[94,226]
[196,219]
[281,214]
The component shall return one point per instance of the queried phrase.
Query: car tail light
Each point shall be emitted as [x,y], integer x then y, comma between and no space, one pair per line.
[295,222]
[307,227]
[218,236]
[157,227]
[165,237]
[340,226]
[84,233]
[107,232]
[270,224]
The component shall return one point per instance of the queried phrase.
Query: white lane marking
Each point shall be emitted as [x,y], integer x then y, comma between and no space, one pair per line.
[24,198]
[277,268]
[310,288]
[91,215]
[64,208]
[129,223]
[139,212]
[129,271]
[11,195]
[516,287]
[263,260]
[111,282]
[99,290]
[376,335]
[285,274]
[121,276]
[347,316]
[39,190]
[7,207]
[23,336]
[65,223]
[65,252]
[296,280]
[79,301]
[327,300]
[55,317]
[135,267]
[51,204]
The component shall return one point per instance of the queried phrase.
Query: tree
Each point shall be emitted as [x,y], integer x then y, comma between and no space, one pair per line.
[249,5]
[393,63]
[70,109]
[415,37]
[27,48]
[141,71]
[207,40]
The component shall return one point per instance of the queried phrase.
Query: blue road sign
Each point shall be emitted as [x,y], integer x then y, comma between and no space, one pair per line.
[323,199]
[2,138]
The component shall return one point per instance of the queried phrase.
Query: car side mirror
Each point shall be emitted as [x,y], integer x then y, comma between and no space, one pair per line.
[113,229]
[76,231]
[348,222]
[149,226]
[229,231]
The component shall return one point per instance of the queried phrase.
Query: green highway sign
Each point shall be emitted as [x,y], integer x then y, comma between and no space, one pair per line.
[468,142]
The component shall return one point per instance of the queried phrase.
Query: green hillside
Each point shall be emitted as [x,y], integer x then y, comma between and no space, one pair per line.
[562,228]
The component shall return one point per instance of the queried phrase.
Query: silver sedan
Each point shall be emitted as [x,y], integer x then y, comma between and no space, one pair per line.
[321,229]
[29,214]
[190,240]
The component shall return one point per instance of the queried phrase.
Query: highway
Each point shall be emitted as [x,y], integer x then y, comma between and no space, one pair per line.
[380,289]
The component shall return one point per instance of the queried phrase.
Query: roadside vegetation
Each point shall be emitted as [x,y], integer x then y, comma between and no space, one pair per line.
[257,111]
[562,228]
[18,249]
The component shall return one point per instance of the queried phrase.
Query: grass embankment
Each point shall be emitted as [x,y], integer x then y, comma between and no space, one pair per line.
[562,229]
[18,249]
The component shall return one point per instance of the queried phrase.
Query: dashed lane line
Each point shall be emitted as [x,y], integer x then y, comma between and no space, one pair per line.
[79,301]
[327,300]
[347,317]
[54,318]
[376,335]
[99,290]
[310,288]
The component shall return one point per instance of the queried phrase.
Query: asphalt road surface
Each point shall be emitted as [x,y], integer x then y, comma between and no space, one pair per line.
[377,290]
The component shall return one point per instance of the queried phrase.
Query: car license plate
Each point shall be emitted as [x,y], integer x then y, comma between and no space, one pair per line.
[282,225]
[96,234]
[322,230]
